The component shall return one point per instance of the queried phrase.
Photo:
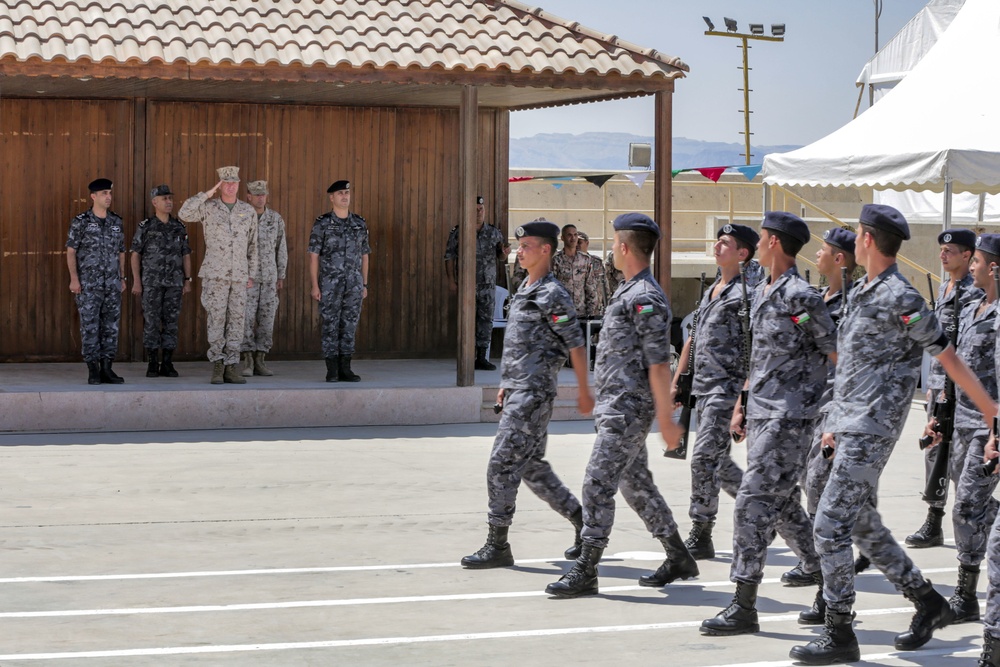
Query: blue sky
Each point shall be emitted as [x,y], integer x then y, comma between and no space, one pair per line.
[802,88]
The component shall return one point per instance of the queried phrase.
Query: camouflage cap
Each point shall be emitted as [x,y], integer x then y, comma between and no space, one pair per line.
[229,174]
[257,188]
[159,191]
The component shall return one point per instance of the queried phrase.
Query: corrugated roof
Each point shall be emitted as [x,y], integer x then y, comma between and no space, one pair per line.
[422,35]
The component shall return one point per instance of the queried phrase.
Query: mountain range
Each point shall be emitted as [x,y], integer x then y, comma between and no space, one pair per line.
[609,150]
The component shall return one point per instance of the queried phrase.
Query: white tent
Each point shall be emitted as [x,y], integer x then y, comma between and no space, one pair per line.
[935,130]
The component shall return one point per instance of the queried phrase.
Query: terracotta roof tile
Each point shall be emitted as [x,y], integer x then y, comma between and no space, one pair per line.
[404,34]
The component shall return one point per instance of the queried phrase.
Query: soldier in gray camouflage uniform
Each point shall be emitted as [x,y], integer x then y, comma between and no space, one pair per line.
[990,656]
[161,273]
[95,257]
[975,507]
[541,331]
[956,253]
[490,247]
[262,298]
[719,374]
[793,335]
[880,340]
[338,269]
[633,382]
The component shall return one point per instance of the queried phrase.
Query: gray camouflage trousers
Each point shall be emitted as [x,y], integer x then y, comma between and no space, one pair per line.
[262,305]
[991,619]
[100,309]
[847,513]
[712,466]
[161,309]
[620,460]
[769,500]
[975,507]
[817,470]
[485,304]
[225,311]
[518,454]
[340,310]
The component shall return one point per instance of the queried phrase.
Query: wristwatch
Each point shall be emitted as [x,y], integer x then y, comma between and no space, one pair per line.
[188,279]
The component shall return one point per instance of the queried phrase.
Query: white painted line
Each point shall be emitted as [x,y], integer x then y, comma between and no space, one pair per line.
[386,641]
[907,656]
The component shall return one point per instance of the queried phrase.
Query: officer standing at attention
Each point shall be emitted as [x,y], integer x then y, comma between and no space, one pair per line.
[612,274]
[793,335]
[95,257]
[597,274]
[161,273]
[719,374]
[541,331]
[573,269]
[632,376]
[262,298]
[490,246]
[338,269]
[881,337]
[230,228]
[975,507]
[956,252]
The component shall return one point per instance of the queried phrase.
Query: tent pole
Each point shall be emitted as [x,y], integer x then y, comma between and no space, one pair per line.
[947,204]
[982,207]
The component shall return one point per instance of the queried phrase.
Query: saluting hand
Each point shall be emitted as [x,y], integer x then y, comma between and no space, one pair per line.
[213,190]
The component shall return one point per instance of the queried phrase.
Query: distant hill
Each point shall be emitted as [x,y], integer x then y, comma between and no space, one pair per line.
[609,150]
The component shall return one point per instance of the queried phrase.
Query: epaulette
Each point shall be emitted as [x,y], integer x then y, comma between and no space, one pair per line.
[455,228]
[360,218]
[143,223]
[81,216]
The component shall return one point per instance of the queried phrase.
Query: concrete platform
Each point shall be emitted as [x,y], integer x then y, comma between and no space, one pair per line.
[56,398]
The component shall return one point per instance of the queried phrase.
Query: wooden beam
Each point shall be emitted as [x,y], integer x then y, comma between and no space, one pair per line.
[663,187]
[468,139]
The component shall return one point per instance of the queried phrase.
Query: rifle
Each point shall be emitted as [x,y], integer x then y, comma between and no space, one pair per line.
[930,291]
[684,385]
[747,341]
[991,465]
[944,416]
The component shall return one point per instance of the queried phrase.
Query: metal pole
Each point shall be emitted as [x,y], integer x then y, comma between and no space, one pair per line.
[746,98]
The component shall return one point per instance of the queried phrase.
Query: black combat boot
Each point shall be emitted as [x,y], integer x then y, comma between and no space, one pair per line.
[678,565]
[108,376]
[990,656]
[929,534]
[344,371]
[482,363]
[93,372]
[861,563]
[816,614]
[332,373]
[932,613]
[153,369]
[964,603]
[739,618]
[574,551]
[837,643]
[167,369]
[582,578]
[699,542]
[495,553]
[795,578]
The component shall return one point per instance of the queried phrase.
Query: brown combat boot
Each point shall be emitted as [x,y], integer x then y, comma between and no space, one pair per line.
[232,375]
[258,364]
[218,372]
[246,364]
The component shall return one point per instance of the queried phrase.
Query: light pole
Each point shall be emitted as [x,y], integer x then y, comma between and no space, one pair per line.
[756,32]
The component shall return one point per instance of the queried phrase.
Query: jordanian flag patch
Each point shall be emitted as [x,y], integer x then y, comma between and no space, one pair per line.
[559,319]
[912,318]
[801,318]
[644,309]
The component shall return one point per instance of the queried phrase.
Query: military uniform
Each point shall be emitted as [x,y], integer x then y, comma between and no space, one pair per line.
[340,243]
[613,275]
[161,247]
[489,246]
[576,275]
[601,292]
[230,261]
[262,298]
[991,619]
[99,244]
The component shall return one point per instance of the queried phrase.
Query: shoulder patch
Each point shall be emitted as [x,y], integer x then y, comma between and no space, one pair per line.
[912,318]
[559,319]
[801,318]
[644,308]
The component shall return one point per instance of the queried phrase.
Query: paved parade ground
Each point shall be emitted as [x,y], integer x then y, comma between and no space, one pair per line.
[340,546]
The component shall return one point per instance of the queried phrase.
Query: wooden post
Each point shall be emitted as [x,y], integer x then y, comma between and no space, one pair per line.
[467,169]
[663,188]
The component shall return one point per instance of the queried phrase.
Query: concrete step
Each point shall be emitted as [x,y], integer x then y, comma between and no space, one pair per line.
[564,408]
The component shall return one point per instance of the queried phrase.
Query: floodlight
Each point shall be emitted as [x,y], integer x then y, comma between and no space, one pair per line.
[778,29]
[640,155]
[730,24]
[756,28]
[711,26]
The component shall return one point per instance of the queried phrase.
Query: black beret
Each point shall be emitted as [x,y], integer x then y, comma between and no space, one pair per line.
[965,237]
[841,238]
[885,218]
[480,200]
[989,243]
[160,190]
[746,234]
[100,184]
[338,186]
[539,227]
[636,222]
[787,223]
